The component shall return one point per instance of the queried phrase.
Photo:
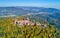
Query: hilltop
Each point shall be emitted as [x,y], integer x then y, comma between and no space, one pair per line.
[10,30]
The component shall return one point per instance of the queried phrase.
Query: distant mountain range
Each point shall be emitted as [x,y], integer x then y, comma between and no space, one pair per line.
[25,10]
[38,13]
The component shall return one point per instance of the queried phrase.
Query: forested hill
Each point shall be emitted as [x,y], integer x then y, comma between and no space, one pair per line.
[9,30]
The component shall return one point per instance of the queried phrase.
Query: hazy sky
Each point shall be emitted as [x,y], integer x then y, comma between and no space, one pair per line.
[36,3]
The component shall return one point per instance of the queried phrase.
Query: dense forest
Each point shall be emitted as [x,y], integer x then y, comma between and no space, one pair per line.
[9,30]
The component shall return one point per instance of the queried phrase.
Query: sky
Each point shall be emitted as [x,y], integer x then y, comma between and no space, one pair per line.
[34,3]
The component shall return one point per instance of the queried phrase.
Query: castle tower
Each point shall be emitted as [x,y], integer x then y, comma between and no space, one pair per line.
[15,21]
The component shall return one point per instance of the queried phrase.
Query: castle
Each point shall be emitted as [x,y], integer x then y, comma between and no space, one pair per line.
[24,22]
[27,22]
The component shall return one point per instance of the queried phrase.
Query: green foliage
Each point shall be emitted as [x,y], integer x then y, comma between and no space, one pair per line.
[9,30]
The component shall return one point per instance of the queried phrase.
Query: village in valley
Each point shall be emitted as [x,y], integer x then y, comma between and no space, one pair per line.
[27,21]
